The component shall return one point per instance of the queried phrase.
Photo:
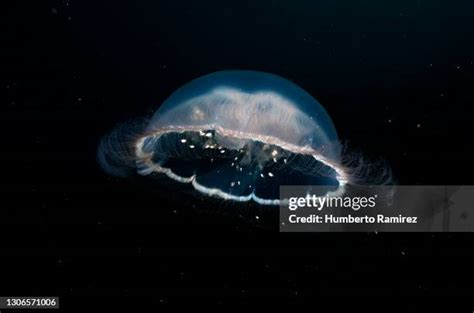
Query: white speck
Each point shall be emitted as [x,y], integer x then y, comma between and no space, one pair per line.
[285,160]
[232,184]
[418,125]
[191,146]
[389,121]
[238,182]
[206,147]
[222,151]
[274,160]
[270,174]
[232,164]
[274,153]
[183,140]
[209,135]
[257,217]
[235,159]
[261,175]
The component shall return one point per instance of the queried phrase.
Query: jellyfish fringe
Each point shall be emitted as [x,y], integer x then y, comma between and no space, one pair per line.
[117,156]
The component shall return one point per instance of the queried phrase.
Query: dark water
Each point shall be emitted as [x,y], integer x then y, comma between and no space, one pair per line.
[396,78]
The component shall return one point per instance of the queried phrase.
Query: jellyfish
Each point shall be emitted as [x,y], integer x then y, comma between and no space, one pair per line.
[234,135]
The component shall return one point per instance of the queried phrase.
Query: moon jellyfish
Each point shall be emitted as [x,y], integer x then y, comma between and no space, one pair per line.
[235,135]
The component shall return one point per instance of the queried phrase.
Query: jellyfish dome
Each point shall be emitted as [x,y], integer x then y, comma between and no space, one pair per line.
[235,135]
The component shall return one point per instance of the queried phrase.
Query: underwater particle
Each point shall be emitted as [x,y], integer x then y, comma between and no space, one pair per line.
[254,128]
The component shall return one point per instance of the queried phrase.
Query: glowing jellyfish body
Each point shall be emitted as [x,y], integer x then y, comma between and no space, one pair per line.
[236,135]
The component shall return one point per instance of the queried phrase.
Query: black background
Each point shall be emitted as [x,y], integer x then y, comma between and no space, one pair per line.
[396,77]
